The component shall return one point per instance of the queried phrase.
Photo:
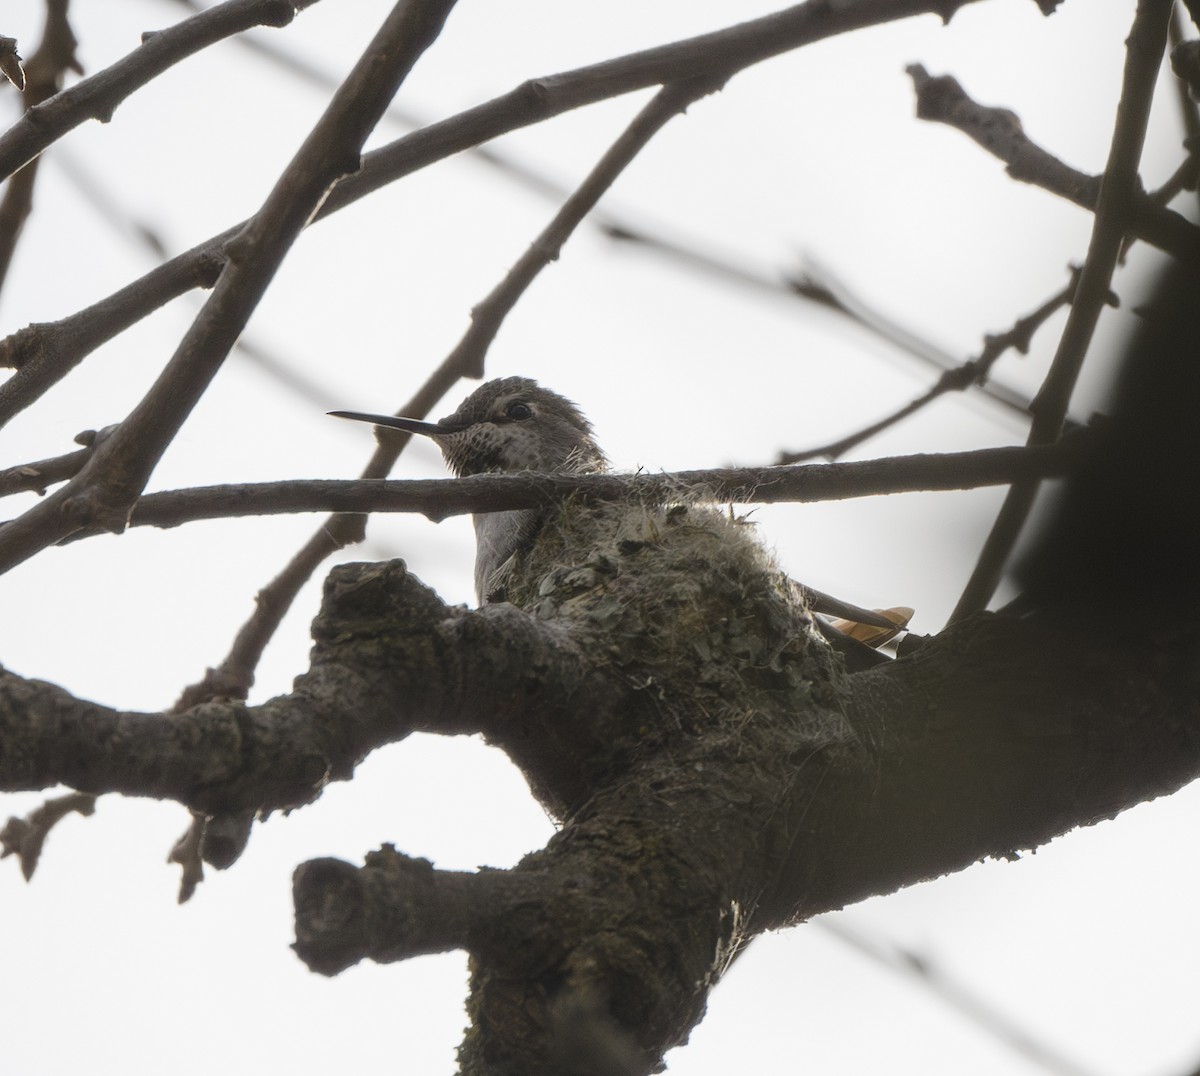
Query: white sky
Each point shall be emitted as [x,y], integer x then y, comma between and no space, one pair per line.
[1091,943]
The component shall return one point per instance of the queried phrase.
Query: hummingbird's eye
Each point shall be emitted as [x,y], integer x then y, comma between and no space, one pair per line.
[518,411]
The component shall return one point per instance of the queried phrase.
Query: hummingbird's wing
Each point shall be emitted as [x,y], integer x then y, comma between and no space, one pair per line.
[500,539]
[857,631]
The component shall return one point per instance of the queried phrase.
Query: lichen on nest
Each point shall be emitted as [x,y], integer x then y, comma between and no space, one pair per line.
[681,598]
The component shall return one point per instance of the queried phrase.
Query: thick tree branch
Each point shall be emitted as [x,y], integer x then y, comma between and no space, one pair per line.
[1029,728]
[663,692]
[1086,725]
[711,834]
[389,658]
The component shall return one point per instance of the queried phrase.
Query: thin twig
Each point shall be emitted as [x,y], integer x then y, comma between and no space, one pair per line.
[38,476]
[107,205]
[999,131]
[97,97]
[11,64]
[186,852]
[489,315]
[43,354]
[813,285]
[819,284]
[104,491]
[25,837]
[1144,51]
[43,76]
[961,377]
[126,223]
[920,969]
[441,498]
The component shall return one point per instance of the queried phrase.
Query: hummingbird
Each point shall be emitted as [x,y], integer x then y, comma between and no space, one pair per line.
[508,425]
[513,424]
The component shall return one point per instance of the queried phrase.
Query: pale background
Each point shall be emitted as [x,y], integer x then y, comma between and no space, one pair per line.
[1090,945]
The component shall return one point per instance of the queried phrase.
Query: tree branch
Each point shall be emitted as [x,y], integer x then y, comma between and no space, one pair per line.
[388,659]
[999,131]
[1069,727]
[440,498]
[55,55]
[717,776]
[709,835]
[60,346]
[956,379]
[97,97]
[25,837]
[1116,205]
[39,475]
[107,487]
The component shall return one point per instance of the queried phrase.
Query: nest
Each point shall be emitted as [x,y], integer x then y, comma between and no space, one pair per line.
[682,599]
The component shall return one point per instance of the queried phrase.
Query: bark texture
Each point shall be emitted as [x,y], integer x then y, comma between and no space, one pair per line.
[716,773]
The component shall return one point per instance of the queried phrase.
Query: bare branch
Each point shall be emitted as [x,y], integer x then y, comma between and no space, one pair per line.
[1115,205]
[112,480]
[958,379]
[11,66]
[924,971]
[97,97]
[43,76]
[999,131]
[489,315]
[723,51]
[440,498]
[25,837]
[41,474]
[44,353]
[226,757]
[60,347]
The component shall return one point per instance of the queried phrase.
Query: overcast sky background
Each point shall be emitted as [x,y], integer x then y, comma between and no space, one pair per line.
[1090,944]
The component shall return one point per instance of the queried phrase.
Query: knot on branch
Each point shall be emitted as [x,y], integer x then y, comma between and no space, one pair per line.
[366,598]
[344,913]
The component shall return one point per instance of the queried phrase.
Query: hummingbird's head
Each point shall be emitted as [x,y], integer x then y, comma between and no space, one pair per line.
[511,424]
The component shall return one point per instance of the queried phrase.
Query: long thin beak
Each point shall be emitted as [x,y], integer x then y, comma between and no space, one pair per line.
[412,425]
